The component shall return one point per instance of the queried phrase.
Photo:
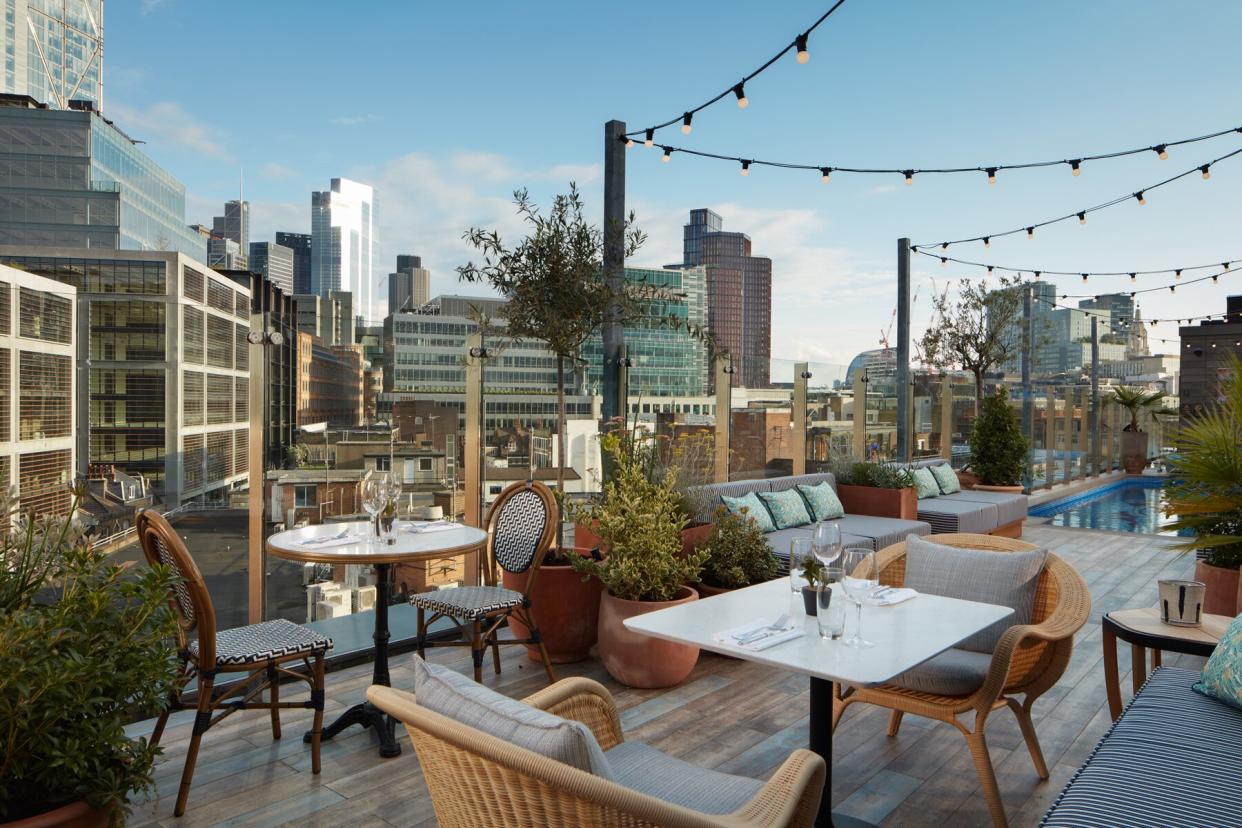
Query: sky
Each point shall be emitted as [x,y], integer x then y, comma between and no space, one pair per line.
[447,108]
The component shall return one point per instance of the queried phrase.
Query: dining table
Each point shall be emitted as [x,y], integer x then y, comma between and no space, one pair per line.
[355,543]
[903,635]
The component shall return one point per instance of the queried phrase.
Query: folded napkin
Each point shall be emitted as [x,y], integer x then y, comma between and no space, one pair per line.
[329,542]
[891,595]
[429,526]
[769,638]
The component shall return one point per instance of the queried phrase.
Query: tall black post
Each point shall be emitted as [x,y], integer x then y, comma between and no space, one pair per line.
[903,350]
[614,261]
[1095,395]
[1028,413]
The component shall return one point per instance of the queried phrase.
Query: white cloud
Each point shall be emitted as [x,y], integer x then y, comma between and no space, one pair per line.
[149,6]
[354,120]
[167,122]
[276,171]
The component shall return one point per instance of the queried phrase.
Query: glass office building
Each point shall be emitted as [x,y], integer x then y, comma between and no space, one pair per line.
[342,237]
[53,51]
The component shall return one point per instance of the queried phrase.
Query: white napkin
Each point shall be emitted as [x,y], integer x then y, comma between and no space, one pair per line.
[428,526]
[328,543]
[893,595]
[789,632]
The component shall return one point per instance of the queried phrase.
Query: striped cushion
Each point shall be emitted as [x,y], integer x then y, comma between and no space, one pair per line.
[1172,760]
[948,515]
[452,694]
[643,768]
[1010,508]
[471,602]
[265,641]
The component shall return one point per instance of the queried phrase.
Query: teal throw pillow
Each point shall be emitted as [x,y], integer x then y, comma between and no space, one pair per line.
[749,505]
[1222,675]
[823,500]
[788,508]
[925,482]
[946,479]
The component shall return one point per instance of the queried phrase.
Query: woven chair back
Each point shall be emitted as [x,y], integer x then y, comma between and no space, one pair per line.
[189,597]
[521,528]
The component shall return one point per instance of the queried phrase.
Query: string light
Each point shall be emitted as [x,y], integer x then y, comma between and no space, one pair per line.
[1037,274]
[740,91]
[668,153]
[1133,277]
[800,44]
[944,245]
[1162,151]
[1223,266]
[685,123]
[991,175]
[1082,217]
[943,261]
[1206,170]
[1172,288]
[745,168]
[1139,197]
[909,174]
[1076,167]
[629,142]
[1030,232]
[1084,277]
[1177,274]
[826,172]
[649,139]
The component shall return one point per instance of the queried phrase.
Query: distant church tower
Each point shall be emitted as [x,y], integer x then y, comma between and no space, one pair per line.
[1136,342]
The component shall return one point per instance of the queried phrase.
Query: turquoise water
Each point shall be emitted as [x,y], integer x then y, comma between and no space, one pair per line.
[1131,505]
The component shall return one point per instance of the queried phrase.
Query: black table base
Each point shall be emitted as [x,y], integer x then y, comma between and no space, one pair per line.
[367,714]
[821,744]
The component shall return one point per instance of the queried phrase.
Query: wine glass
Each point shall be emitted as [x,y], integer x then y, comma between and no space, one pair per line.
[826,542]
[860,580]
[799,551]
[373,500]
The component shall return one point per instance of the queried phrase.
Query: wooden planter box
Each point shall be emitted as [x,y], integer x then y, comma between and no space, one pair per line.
[875,502]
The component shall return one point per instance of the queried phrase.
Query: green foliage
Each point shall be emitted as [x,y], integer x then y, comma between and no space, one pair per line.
[738,555]
[815,573]
[1205,488]
[877,475]
[978,331]
[639,522]
[998,448]
[297,456]
[1135,400]
[83,644]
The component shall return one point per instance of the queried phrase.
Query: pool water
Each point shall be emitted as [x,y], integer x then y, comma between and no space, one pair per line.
[1130,505]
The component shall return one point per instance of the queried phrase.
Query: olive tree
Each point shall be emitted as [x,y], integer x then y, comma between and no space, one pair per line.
[978,330]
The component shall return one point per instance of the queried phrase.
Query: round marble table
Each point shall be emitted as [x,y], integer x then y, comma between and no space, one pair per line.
[355,543]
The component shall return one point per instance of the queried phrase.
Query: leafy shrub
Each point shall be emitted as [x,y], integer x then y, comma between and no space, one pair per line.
[998,448]
[738,555]
[878,475]
[83,644]
[639,522]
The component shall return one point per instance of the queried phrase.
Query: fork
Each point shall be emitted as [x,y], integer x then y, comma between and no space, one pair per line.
[314,541]
[763,632]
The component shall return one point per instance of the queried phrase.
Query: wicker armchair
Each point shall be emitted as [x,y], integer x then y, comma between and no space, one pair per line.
[511,786]
[1029,659]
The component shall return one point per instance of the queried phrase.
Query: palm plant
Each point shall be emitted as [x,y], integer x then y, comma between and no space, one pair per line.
[1135,401]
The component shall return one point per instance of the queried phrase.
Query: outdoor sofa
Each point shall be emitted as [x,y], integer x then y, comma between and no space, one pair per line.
[983,513]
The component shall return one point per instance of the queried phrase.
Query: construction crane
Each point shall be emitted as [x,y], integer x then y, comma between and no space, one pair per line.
[887,332]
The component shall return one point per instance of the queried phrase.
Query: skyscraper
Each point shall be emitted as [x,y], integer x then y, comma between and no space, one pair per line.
[342,237]
[275,262]
[300,244]
[410,285]
[53,52]
[739,294]
[234,224]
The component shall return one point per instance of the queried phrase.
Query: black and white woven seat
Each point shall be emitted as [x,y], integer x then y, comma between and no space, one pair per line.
[469,602]
[260,643]
[521,527]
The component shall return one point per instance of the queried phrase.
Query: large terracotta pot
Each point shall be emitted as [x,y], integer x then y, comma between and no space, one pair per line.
[691,537]
[1222,589]
[1007,489]
[73,815]
[876,502]
[638,660]
[968,479]
[707,590]
[1134,451]
[565,607]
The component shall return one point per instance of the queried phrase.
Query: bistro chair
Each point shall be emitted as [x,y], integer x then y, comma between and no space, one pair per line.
[260,650]
[1027,661]
[521,527]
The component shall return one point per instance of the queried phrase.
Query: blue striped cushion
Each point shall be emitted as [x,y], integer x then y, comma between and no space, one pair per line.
[1173,759]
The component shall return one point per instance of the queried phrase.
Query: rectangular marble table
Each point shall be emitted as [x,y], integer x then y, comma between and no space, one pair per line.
[905,635]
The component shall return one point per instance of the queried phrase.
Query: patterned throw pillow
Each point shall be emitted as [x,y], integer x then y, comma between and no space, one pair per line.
[925,482]
[788,508]
[823,501]
[1222,675]
[946,479]
[749,505]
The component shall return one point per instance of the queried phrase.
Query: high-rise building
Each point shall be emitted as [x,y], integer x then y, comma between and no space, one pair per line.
[37,427]
[410,286]
[1120,307]
[665,361]
[275,263]
[1206,348]
[235,223]
[300,244]
[344,317]
[330,318]
[164,388]
[739,294]
[53,51]
[70,178]
[225,254]
[342,238]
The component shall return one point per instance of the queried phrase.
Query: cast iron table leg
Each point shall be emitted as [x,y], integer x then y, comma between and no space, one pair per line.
[367,714]
[821,743]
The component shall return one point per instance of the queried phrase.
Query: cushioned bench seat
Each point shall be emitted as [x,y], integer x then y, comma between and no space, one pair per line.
[1173,759]
[1009,507]
[948,515]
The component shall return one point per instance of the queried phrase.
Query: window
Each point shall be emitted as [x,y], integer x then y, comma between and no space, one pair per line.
[192,398]
[45,316]
[305,496]
[424,464]
[5,293]
[45,395]
[219,399]
[192,282]
[42,483]
[219,342]
[192,335]
[383,464]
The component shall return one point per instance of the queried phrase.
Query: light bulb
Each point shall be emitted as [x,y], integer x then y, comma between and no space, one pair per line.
[745,168]
[1084,277]
[987,241]
[803,54]
[685,123]
[1030,232]
[1082,217]
[826,172]
[1206,170]
[944,261]
[1215,276]
[1133,276]
[1177,274]
[740,91]
[1162,152]
[991,175]
[989,268]
[944,245]
[668,153]
[1172,288]
[1139,196]
[1075,167]
[629,142]
[650,138]
[909,174]
[1037,273]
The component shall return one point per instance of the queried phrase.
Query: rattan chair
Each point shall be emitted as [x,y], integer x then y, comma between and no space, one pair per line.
[1029,659]
[521,526]
[476,779]
[260,650]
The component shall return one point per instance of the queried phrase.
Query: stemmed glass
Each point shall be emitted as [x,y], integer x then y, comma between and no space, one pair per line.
[826,542]
[373,498]
[859,580]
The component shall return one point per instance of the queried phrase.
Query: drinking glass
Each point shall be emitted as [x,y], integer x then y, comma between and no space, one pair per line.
[799,551]
[373,500]
[860,580]
[831,615]
[826,542]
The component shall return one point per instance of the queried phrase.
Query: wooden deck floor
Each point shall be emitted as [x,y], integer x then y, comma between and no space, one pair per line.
[731,715]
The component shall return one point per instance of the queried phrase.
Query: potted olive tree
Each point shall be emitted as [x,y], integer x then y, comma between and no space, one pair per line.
[738,554]
[639,521]
[1133,438]
[1204,493]
[998,448]
[84,644]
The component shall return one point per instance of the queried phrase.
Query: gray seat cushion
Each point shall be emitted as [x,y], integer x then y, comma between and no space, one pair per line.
[948,515]
[1005,578]
[452,694]
[882,531]
[1010,507]
[954,672]
[645,769]
[778,542]
[705,499]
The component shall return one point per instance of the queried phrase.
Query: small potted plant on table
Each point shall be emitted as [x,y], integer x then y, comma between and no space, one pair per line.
[738,555]
[816,576]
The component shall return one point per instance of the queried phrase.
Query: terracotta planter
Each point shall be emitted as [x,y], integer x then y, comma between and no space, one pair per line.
[565,607]
[1007,489]
[691,537]
[707,590]
[875,502]
[1134,451]
[638,660]
[968,480]
[73,815]
[1222,589]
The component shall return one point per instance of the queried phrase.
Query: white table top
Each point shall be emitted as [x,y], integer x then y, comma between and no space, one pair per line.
[365,549]
[905,634]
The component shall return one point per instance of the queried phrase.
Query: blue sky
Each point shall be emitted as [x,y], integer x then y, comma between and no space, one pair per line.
[446,108]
